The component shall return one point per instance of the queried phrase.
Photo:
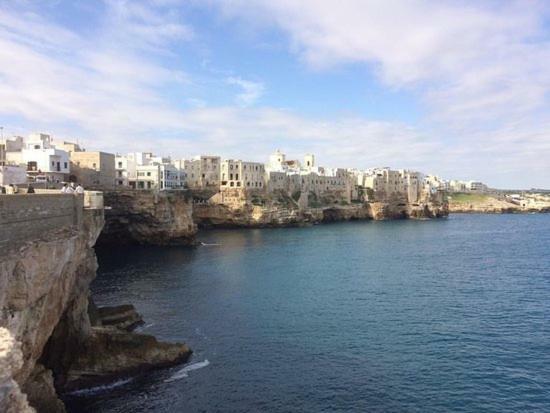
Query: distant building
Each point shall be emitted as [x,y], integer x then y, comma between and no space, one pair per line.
[41,159]
[93,169]
[202,171]
[125,170]
[68,146]
[159,176]
[241,174]
[126,167]
[476,186]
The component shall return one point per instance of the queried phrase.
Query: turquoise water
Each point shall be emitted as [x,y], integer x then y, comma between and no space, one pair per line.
[402,316]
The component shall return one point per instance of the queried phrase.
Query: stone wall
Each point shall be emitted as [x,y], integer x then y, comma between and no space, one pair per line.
[25,217]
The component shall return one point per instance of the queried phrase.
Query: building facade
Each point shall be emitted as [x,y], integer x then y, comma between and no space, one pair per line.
[93,169]
[202,172]
[240,174]
[41,159]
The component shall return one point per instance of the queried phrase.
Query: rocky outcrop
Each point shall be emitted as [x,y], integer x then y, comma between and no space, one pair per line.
[44,287]
[110,352]
[483,205]
[252,216]
[40,390]
[41,281]
[124,317]
[12,399]
[148,217]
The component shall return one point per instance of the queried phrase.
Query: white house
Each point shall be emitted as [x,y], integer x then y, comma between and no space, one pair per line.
[41,159]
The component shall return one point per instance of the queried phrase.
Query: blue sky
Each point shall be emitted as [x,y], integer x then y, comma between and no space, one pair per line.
[459,89]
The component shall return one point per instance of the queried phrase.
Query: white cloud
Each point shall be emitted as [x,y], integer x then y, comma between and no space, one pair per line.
[251,91]
[482,73]
[466,59]
[480,69]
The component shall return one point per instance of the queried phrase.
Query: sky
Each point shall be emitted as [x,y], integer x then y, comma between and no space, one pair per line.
[454,88]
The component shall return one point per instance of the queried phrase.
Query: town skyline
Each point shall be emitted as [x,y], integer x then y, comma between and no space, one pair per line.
[462,97]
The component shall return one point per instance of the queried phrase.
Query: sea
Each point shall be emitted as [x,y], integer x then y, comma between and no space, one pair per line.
[445,315]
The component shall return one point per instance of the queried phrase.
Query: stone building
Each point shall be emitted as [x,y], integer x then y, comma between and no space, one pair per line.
[202,172]
[93,169]
[241,174]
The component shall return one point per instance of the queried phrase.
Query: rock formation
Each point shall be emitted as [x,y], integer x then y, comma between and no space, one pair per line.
[147,217]
[44,287]
[12,400]
[259,216]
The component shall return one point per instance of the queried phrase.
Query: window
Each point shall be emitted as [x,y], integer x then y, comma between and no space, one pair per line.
[237,177]
[148,173]
[94,165]
[232,183]
[65,163]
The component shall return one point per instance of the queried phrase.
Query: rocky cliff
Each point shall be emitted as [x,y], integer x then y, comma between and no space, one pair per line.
[53,346]
[481,204]
[147,217]
[248,215]
[12,399]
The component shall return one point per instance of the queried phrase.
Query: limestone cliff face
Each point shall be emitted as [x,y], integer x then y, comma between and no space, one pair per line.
[44,288]
[146,217]
[12,400]
[388,210]
[245,216]
[252,216]
[39,282]
[485,206]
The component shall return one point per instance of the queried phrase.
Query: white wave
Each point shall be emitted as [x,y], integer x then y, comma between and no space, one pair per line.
[141,328]
[100,389]
[205,244]
[180,374]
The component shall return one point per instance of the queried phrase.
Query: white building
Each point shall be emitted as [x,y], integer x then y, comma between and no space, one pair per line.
[159,176]
[42,160]
[126,167]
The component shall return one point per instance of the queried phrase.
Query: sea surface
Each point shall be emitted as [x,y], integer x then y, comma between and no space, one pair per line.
[449,315]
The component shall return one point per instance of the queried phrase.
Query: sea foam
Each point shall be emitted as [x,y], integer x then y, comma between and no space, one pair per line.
[180,374]
[100,389]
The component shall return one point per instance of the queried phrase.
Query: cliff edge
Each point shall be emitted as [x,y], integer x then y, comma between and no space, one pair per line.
[148,217]
[46,267]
